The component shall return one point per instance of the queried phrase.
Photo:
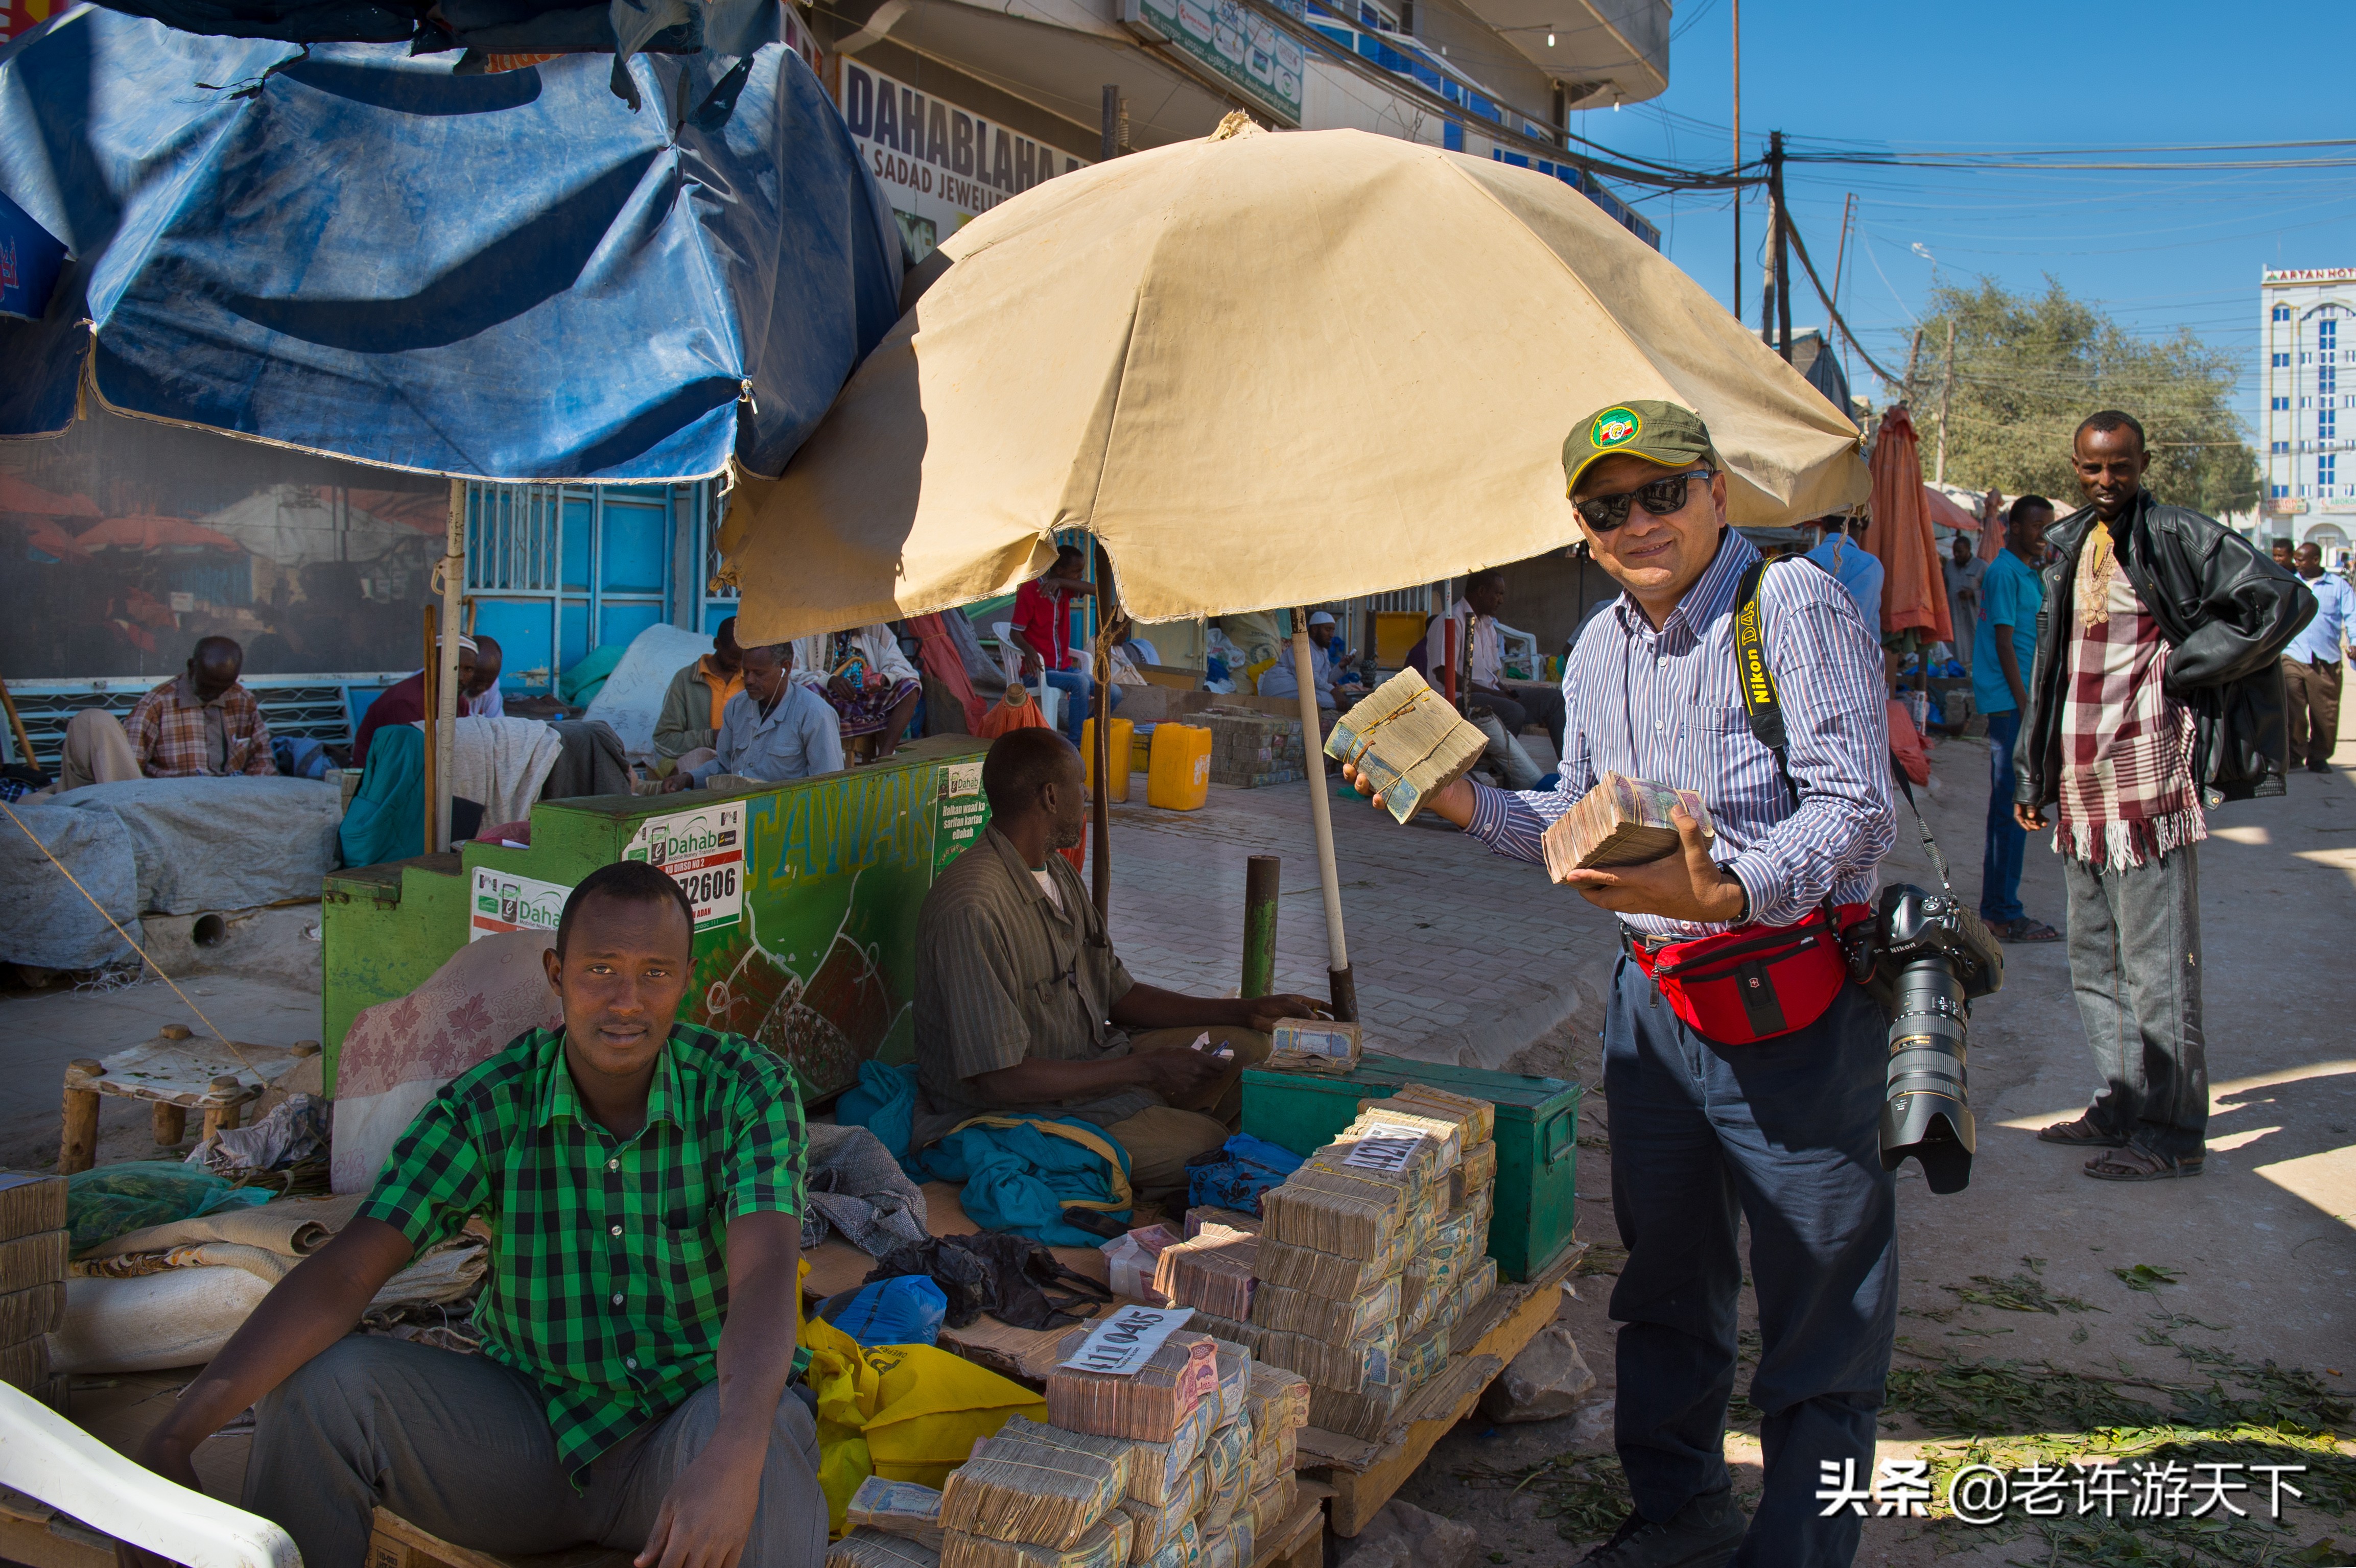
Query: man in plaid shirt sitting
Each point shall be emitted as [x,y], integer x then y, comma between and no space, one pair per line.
[201,723]
[642,1177]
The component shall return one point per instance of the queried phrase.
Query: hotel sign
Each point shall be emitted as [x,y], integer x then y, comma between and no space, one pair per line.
[2312,275]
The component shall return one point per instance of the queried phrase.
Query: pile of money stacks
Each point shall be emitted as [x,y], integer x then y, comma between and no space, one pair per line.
[1405,737]
[1372,1252]
[1249,748]
[32,1281]
[1211,1271]
[1314,1045]
[1621,822]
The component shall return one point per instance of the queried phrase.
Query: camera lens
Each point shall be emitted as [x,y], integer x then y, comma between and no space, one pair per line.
[1925,1111]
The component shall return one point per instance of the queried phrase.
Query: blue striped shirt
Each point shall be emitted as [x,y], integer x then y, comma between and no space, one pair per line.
[1666,706]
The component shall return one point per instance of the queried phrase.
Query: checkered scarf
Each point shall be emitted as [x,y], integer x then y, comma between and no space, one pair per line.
[2127,795]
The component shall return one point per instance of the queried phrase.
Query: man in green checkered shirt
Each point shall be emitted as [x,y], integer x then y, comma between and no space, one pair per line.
[640,1175]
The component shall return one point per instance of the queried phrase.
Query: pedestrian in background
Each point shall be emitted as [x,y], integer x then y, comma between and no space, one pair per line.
[2005,644]
[2311,664]
[1964,573]
[2156,682]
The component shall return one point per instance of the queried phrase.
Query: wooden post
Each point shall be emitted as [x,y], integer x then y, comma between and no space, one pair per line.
[222,1105]
[443,715]
[433,670]
[78,1145]
[1913,353]
[1260,879]
[1100,808]
[1737,159]
[23,742]
[171,1124]
[1781,238]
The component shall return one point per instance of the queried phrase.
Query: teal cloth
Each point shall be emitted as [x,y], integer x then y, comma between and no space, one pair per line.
[1019,1179]
[885,1103]
[386,820]
[579,686]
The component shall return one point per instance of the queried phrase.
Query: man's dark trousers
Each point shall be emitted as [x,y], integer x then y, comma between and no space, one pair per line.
[1784,1132]
[2008,841]
[1525,705]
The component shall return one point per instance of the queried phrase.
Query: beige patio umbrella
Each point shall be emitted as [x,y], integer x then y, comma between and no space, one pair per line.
[1261,369]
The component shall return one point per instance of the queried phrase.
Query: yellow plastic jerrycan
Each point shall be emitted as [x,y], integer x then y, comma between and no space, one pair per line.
[1179,778]
[1123,737]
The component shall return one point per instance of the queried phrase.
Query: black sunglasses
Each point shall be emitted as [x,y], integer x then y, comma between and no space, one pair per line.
[1662,497]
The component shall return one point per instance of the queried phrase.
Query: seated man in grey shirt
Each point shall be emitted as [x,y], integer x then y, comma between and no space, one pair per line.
[1021,1005]
[773,731]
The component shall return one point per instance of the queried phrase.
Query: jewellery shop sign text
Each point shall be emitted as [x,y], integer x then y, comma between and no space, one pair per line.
[940,165]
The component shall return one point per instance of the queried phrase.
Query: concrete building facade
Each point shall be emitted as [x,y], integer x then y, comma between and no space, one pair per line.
[2307,373]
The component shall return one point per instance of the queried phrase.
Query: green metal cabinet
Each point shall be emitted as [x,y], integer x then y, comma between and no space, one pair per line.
[1538,1139]
[807,898]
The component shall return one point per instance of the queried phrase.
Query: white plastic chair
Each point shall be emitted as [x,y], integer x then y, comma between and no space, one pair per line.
[1518,647]
[47,1456]
[1049,699]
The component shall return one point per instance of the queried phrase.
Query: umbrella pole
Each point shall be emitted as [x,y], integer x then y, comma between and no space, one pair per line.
[1344,988]
[1100,809]
[446,704]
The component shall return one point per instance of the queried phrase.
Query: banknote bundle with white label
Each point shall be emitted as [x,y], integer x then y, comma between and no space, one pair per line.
[1021,1490]
[867,1547]
[1399,1146]
[896,1508]
[1149,1403]
[1212,1271]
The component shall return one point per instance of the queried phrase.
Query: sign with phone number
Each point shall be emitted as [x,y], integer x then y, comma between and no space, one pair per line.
[703,851]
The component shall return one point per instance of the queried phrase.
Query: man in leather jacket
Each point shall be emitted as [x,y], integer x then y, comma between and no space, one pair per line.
[2157,691]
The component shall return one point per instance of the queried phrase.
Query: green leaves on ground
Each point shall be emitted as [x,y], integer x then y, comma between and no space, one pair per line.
[1585,1494]
[2147,1277]
[1601,1258]
[2019,1293]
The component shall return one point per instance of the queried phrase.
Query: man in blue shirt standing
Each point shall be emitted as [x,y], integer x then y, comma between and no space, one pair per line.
[774,730]
[2311,663]
[1769,1118]
[2003,649]
[1857,569]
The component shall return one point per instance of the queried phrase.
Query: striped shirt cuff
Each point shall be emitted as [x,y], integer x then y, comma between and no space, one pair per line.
[1505,821]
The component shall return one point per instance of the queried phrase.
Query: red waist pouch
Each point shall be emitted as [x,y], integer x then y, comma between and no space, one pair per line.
[1754,982]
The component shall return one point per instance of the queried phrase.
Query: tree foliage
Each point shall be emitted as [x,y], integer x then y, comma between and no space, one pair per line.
[2028,368]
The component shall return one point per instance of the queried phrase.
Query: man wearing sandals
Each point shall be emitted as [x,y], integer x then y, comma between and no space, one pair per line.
[2157,690]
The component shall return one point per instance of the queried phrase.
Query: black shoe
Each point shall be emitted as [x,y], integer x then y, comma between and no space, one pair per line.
[2319,767]
[1703,1535]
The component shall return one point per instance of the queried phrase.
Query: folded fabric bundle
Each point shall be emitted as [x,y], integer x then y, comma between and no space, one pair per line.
[295,1227]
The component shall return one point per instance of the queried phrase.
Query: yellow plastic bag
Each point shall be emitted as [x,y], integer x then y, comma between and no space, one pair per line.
[906,1413]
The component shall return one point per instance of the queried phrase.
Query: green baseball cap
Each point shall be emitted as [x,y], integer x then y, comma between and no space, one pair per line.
[1658,433]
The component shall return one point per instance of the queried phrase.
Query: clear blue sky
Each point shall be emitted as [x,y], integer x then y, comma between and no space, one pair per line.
[2158,251]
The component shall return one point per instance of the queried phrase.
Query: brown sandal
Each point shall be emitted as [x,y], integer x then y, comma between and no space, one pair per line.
[2081,1133]
[2134,1164]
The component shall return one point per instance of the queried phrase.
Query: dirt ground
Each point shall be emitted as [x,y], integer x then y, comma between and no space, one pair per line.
[2249,1264]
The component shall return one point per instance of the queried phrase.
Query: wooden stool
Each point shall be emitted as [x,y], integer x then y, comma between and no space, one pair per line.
[178,1073]
[394,1543]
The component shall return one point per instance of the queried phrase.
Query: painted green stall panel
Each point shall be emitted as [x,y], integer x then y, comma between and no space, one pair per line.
[807,896]
[1538,1139]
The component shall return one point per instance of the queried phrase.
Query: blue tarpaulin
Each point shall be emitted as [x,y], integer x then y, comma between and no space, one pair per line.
[355,251]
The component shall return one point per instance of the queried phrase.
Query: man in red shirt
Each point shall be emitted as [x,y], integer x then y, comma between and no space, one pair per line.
[1042,632]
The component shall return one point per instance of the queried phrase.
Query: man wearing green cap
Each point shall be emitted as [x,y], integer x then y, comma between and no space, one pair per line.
[1765,1117]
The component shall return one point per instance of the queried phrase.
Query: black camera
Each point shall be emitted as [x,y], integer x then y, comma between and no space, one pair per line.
[1925,958]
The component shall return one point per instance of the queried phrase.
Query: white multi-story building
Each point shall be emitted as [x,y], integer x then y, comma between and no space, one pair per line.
[2306,419]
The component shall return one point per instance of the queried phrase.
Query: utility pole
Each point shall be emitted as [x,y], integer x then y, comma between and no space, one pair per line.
[1778,239]
[1737,159]
[1946,392]
[1840,256]
[1906,388]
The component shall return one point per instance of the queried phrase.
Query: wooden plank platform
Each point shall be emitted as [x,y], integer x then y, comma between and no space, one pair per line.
[1299,1542]
[1365,1476]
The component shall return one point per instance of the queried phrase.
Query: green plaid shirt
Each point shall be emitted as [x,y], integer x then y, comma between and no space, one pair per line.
[609,1280]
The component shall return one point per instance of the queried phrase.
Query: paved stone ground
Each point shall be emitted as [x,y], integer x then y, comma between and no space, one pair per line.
[1459,955]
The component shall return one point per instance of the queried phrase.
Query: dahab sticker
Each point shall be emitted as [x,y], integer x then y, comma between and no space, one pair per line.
[504,901]
[1614,427]
[704,852]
